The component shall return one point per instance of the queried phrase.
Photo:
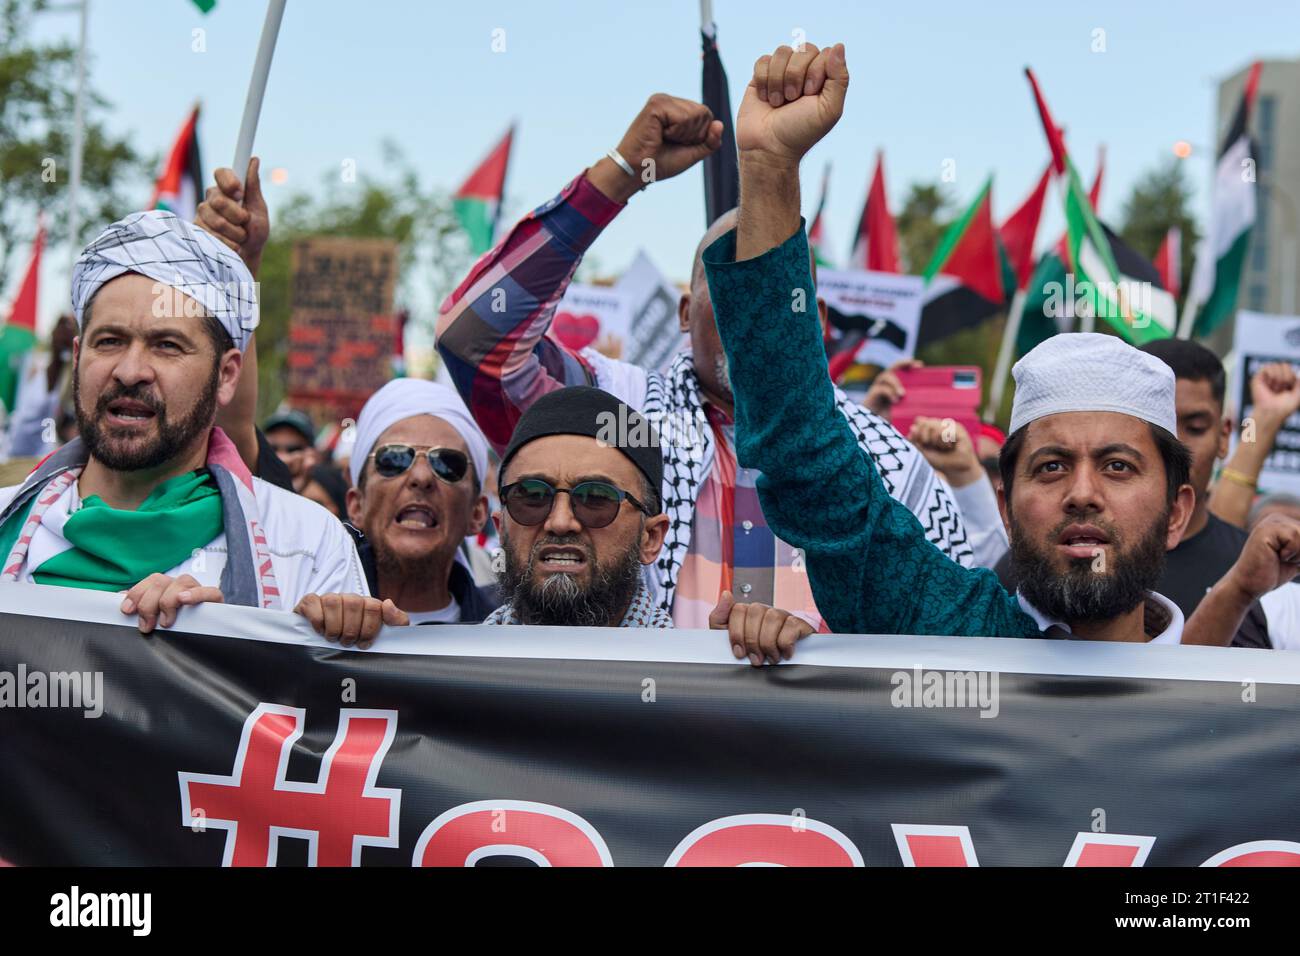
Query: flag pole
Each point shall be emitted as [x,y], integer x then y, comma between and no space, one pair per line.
[1187,320]
[706,14]
[78,143]
[257,86]
[1009,335]
[501,200]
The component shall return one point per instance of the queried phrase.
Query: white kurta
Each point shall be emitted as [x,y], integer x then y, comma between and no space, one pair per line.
[311,552]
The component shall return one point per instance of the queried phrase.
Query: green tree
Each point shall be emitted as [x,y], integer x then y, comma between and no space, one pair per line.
[433,253]
[921,224]
[37,92]
[1159,200]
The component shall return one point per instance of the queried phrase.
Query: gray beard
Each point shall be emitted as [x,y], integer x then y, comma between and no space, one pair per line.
[1082,595]
[560,600]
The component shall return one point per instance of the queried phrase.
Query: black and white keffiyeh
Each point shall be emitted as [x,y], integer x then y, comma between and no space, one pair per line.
[159,245]
[673,404]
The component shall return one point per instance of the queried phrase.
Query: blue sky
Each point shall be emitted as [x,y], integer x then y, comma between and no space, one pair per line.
[933,81]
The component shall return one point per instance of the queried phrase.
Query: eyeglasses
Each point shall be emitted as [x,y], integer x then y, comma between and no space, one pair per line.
[448,464]
[594,503]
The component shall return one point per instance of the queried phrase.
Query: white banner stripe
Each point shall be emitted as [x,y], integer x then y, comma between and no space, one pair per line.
[1004,655]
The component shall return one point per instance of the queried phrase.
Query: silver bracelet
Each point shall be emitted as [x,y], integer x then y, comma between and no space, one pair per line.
[623,164]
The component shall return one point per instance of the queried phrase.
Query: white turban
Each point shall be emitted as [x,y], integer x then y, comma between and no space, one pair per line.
[169,250]
[405,398]
[1091,372]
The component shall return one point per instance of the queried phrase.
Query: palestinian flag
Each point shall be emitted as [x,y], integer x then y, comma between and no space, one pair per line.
[1098,287]
[965,283]
[1217,274]
[721,168]
[1021,228]
[1054,293]
[875,245]
[1094,200]
[18,335]
[478,201]
[817,231]
[1169,261]
[180,187]
[1039,321]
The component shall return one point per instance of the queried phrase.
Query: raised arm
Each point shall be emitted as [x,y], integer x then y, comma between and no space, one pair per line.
[492,329]
[240,220]
[871,569]
[1268,560]
[1275,396]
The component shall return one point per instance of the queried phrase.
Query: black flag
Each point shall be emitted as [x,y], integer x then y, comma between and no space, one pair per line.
[721,170]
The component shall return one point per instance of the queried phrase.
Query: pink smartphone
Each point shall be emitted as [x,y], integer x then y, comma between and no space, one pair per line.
[939,391]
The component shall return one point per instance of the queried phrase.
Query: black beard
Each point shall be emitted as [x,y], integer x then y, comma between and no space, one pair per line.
[1082,595]
[560,599]
[171,440]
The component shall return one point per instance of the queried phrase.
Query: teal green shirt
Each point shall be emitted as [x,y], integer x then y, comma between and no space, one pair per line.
[871,569]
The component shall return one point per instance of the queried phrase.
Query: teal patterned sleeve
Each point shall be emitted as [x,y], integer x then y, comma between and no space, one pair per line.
[871,569]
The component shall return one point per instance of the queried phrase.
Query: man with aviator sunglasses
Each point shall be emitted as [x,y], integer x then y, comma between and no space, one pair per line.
[494,337]
[417,468]
[581,523]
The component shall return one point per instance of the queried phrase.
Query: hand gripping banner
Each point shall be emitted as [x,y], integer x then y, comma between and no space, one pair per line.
[239,738]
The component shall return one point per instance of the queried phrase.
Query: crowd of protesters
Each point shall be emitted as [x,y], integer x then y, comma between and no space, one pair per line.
[739,490]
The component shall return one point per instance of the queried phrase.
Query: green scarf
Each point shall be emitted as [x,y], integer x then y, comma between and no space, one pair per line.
[114,550]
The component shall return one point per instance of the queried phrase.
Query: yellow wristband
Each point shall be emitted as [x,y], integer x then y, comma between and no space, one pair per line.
[1239,478]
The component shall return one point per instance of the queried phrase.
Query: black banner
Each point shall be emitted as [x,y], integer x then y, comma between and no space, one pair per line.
[241,738]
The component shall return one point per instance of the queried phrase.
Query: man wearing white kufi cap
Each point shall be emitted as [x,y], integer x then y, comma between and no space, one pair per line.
[1095,480]
[1095,485]
[152,498]
[418,461]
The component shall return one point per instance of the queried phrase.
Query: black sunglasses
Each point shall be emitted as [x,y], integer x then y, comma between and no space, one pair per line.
[594,503]
[448,464]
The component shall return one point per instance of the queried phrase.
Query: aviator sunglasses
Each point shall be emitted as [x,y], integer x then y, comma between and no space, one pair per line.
[594,503]
[447,464]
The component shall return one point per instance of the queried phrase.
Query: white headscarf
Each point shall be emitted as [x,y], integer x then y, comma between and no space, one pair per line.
[405,398]
[171,251]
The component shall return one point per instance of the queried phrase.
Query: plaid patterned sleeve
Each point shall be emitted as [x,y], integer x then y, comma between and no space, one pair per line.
[492,330]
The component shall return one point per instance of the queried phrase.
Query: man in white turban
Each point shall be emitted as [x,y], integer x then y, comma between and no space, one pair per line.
[418,462]
[152,498]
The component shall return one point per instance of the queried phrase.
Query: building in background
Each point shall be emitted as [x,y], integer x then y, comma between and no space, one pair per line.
[1271,280]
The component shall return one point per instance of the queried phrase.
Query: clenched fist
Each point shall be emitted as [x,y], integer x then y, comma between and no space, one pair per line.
[947,446]
[1270,557]
[792,101]
[668,136]
[1275,392]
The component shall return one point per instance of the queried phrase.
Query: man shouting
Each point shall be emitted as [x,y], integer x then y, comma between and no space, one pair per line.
[493,336]
[152,499]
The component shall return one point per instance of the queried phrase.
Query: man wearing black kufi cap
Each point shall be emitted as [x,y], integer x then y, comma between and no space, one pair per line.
[581,518]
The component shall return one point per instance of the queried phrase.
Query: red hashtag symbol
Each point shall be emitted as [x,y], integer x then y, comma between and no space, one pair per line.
[338,814]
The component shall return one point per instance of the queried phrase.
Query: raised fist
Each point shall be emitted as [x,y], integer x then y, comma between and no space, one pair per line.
[792,101]
[668,136]
[1270,557]
[1275,391]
